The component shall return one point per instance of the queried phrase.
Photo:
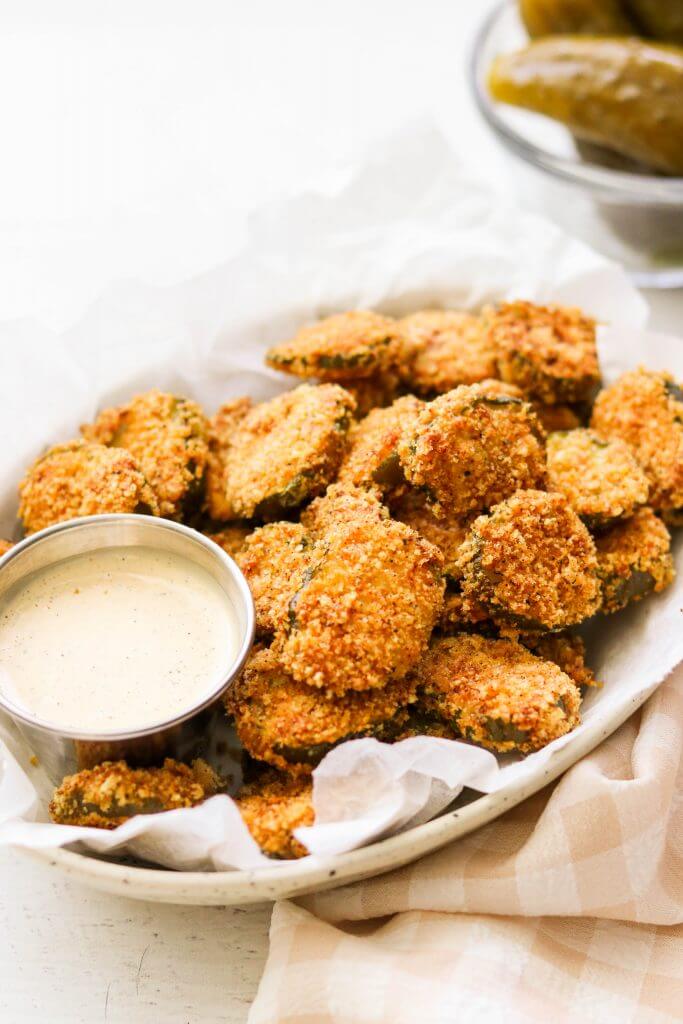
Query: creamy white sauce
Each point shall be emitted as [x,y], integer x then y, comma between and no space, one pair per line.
[116,639]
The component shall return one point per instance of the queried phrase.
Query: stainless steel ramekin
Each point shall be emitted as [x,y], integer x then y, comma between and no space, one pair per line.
[61,751]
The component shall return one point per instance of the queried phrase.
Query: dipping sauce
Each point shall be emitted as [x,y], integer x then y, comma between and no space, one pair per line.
[116,639]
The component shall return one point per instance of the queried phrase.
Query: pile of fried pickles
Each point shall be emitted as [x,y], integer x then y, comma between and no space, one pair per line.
[422,521]
[610,70]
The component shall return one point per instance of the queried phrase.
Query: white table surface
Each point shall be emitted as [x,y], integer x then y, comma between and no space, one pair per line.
[136,137]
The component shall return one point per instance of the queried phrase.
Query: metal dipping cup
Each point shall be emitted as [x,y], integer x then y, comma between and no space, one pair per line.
[62,752]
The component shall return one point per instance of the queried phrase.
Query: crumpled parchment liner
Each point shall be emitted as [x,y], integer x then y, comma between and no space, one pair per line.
[407,230]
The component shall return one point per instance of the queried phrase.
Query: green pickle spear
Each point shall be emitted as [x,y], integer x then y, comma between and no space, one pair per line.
[622,93]
[595,17]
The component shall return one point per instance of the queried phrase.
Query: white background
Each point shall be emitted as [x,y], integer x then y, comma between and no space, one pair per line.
[135,137]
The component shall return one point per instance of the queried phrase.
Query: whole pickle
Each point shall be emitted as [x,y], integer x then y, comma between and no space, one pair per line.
[661,19]
[594,17]
[622,93]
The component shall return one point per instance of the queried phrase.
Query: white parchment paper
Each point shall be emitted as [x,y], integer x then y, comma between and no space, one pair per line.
[406,230]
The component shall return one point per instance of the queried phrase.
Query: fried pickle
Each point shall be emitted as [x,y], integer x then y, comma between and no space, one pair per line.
[292,725]
[497,694]
[111,793]
[645,409]
[601,479]
[343,347]
[445,348]
[81,478]
[531,563]
[366,613]
[471,448]
[547,351]
[169,438]
[634,559]
[285,451]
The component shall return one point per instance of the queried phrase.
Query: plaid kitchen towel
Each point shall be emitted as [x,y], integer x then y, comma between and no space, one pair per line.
[567,909]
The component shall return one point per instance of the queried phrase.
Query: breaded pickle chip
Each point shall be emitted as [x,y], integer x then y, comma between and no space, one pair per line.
[80,478]
[601,479]
[342,504]
[447,533]
[285,451]
[222,427]
[372,457]
[445,348]
[274,560]
[374,392]
[169,438]
[341,347]
[231,538]
[368,609]
[497,694]
[106,796]
[567,650]
[531,562]
[557,417]
[292,725]
[471,448]
[547,351]
[645,409]
[634,559]
[272,807]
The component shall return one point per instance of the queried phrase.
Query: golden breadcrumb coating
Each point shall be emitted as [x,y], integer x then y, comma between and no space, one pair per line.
[567,650]
[471,448]
[374,392]
[340,504]
[80,478]
[367,611]
[548,351]
[461,614]
[557,417]
[445,348]
[231,538]
[447,533]
[286,451]
[272,807]
[531,562]
[5,545]
[274,561]
[372,457]
[634,559]
[111,793]
[292,725]
[341,347]
[645,409]
[601,479]
[222,426]
[169,438]
[497,694]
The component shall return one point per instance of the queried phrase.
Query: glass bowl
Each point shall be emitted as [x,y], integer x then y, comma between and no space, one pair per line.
[633,217]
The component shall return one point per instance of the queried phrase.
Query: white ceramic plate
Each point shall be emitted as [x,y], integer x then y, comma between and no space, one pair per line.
[432,238]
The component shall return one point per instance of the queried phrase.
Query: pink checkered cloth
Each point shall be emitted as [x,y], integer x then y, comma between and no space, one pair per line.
[567,909]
